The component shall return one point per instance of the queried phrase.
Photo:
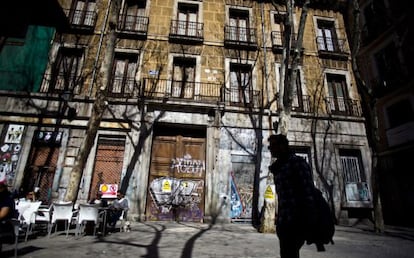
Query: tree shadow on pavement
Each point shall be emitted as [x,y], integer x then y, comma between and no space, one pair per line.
[20,251]
[152,248]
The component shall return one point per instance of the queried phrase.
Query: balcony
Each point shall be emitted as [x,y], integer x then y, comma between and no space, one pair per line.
[61,83]
[164,89]
[184,32]
[343,106]
[302,105]
[240,37]
[123,87]
[133,26]
[235,97]
[332,48]
[278,41]
[81,21]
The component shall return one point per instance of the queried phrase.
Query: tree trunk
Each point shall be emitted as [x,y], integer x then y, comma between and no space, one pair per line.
[99,106]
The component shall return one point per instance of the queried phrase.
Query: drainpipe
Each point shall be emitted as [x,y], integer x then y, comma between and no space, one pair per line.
[98,53]
[264,53]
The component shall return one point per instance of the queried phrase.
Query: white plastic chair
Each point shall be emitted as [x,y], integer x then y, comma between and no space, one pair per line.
[43,216]
[28,217]
[87,212]
[61,211]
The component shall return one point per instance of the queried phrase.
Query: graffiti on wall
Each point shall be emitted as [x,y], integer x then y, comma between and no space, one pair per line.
[10,151]
[187,164]
[176,198]
[236,207]
[241,197]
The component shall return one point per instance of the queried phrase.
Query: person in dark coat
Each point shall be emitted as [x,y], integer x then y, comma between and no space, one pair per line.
[294,188]
[7,213]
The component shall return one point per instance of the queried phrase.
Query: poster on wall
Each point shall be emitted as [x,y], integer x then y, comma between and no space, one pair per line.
[10,149]
[108,190]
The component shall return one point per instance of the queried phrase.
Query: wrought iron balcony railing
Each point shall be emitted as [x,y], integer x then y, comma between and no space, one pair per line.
[240,98]
[331,47]
[240,37]
[343,106]
[81,19]
[133,24]
[154,88]
[60,83]
[278,41]
[122,87]
[302,104]
[183,31]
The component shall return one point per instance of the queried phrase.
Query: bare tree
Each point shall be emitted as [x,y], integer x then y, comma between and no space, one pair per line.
[99,105]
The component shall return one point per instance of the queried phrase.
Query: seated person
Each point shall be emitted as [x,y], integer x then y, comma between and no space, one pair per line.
[7,212]
[115,210]
[30,197]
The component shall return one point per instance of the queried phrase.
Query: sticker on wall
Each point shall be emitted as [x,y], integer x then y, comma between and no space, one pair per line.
[14,134]
[108,190]
[166,186]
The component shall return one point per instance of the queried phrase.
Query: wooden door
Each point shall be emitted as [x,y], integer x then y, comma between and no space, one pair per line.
[176,180]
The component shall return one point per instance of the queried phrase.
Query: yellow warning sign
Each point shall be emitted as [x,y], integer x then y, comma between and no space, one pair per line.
[269,194]
[166,186]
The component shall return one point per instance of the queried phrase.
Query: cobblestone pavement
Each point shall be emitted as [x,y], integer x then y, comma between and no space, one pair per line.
[170,240]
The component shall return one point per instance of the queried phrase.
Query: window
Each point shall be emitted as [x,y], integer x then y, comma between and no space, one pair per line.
[133,16]
[183,78]
[66,71]
[278,29]
[297,91]
[124,68]
[400,113]
[356,187]
[187,18]
[389,67]
[337,91]
[239,25]
[240,83]
[297,97]
[303,152]
[326,36]
[84,13]
[376,19]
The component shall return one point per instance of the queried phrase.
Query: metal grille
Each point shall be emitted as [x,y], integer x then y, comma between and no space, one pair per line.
[108,163]
[41,171]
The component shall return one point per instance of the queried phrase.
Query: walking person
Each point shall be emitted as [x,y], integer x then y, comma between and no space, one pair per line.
[294,188]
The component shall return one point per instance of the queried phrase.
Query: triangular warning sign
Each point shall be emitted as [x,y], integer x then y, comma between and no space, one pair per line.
[269,193]
[166,186]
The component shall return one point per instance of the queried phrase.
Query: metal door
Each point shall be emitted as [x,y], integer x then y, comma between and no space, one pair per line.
[108,162]
[176,180]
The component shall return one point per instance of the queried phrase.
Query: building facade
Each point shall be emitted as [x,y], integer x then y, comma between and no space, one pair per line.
[385,61]
[191,99]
